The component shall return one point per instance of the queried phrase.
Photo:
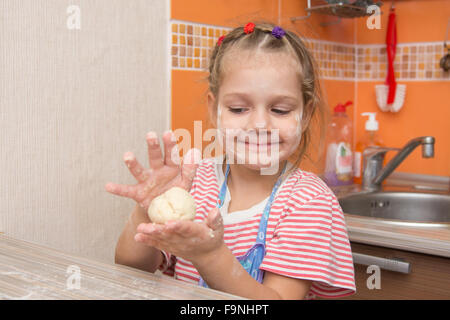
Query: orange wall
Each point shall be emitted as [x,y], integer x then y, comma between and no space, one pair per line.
[426,109]
[417,21]
[223,13]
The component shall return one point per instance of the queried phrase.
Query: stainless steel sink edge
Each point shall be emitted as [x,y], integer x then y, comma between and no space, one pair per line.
[391,205]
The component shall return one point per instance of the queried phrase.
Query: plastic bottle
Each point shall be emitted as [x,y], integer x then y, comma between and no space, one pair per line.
[369,139]
[339,158]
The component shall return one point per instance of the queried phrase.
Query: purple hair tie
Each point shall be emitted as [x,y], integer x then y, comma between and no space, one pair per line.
[278,32]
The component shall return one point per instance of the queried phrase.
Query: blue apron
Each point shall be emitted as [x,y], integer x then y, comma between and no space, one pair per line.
[255,255]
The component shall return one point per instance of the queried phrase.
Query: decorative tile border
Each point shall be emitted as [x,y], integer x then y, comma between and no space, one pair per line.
[191,44]
[413,62]
[336,61]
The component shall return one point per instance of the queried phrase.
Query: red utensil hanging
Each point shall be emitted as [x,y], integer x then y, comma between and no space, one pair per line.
[391,47]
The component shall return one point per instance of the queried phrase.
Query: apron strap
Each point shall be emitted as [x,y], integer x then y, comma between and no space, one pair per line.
[261,236]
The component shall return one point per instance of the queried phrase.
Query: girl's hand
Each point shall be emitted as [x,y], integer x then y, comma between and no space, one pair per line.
[163,173]
[186,239]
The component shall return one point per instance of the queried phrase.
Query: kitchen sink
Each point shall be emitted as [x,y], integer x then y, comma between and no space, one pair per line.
[405,206]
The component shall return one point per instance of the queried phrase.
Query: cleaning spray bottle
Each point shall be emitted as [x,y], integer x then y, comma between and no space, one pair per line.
[339,158]
[369,139]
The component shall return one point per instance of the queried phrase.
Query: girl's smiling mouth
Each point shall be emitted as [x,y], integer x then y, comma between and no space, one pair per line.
[265,145]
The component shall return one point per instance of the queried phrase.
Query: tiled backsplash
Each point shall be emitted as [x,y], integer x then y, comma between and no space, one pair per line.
[192,42]
[335,60]
[413,61]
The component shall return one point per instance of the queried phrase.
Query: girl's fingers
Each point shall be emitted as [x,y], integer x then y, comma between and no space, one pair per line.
[214,219]
[173,226]
[190,164]
[121,190]
[173,232]
[182,228]
[145,203]
[135,167]
[153,242]
[152,228]
[156,235]
[187,229]
[154,151]
[147,227]
[141,237]
[171,152]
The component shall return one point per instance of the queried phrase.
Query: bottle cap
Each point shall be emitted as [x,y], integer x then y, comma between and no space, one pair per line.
[371,123]
[342,107]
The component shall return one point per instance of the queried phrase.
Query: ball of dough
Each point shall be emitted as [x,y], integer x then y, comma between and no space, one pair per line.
[174,204]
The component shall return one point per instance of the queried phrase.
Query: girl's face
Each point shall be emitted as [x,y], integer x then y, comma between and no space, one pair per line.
[259,108]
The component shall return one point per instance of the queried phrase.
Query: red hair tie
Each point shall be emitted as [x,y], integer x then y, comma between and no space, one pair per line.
[249,27]
[219,42]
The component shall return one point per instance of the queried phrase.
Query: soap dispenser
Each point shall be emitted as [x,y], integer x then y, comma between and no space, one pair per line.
[369,139]
[339,157]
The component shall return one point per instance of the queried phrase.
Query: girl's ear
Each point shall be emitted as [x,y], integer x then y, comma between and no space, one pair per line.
[212,110]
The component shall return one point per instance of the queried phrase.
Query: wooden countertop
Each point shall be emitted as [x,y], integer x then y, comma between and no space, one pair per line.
[31,271]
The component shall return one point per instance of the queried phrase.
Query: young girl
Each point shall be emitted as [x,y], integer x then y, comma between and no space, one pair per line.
[260,236]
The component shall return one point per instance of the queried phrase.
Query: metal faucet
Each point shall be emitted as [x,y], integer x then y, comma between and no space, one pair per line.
[374,173]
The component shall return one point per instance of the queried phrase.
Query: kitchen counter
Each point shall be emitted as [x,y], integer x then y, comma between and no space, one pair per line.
[31,271]
[425,238]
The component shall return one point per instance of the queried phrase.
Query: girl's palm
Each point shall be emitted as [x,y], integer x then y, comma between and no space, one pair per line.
[164,173]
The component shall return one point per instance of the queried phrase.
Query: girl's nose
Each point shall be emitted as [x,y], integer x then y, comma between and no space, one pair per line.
[260,125]
[260,120]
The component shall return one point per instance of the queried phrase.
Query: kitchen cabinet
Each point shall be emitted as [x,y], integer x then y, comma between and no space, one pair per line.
[428,277]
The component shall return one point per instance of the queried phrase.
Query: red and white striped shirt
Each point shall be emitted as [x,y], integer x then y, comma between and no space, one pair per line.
[306,233]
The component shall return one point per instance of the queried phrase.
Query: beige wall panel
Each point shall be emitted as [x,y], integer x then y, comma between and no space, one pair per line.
[72,102]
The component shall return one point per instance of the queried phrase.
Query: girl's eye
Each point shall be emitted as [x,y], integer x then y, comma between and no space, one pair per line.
[281,112]
[275,110]
[236,110]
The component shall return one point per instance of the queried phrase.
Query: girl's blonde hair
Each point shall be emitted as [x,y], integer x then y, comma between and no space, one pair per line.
[314,108]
